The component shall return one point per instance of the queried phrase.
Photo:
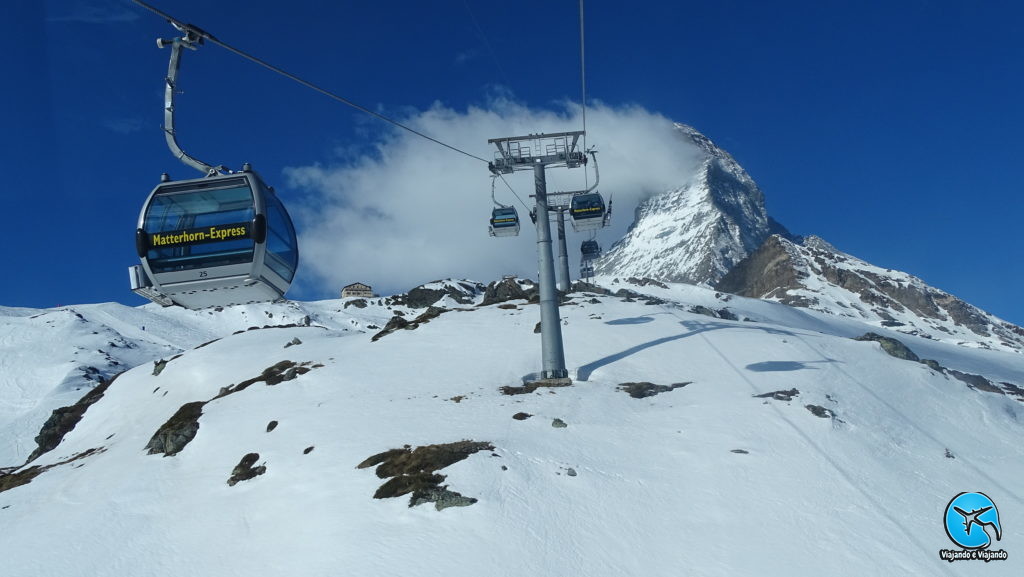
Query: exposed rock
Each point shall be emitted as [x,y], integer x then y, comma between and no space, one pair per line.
[427,315]
[740,451]
[27,474]
[977,382]
[779,395]
[271,426]
[819,411]
[412,471]
[441,497]
[645,281]
[158,367]
[178,431]
[63,420]
[293,342]
[521,416]
[782,269]
[397,322]
[508,289]
[272,375]
[644,389]
[891,346]
[533,386]
[769,270]
[358,303]
[461,292]
[244,470]
[571,472]
[558,424]
[307,450]
[723,313]
[585,287]
[419,297]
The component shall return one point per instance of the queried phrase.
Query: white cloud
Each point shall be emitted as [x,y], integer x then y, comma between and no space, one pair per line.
[414,211]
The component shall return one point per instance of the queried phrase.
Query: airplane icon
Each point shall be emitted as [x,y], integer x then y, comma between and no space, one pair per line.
[972,518]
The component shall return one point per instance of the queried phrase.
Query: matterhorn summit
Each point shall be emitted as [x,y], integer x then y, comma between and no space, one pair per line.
[697,232]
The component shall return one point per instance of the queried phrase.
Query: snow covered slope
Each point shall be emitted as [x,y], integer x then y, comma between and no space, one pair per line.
[697,232]
[773,444]
[816,275]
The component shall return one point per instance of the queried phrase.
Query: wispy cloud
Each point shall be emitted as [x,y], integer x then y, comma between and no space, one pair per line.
[97,12]
[123,125]
[412,211]
[466,57]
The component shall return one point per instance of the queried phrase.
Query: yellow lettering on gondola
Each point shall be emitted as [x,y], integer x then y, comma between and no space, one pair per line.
[194,236]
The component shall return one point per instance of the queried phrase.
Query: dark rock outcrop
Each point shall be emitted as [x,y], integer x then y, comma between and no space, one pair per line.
[814,274]
[891,346]
[398,322]
[412,472]
[643,390]
[63,420]
[779,395]
[462,292]
[178,431]
[767,273]
[508,289]
[244,470]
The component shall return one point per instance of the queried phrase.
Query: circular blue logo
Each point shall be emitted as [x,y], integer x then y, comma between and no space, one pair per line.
[969,516]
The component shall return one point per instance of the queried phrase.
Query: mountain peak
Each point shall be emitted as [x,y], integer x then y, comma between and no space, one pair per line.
[697,232]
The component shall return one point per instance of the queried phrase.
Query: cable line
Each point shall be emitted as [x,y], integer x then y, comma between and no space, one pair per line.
[207,36]
[583,91]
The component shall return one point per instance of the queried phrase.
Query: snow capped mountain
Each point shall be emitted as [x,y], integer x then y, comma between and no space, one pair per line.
[815,275]
[704,432]
[695,233]
[714,231]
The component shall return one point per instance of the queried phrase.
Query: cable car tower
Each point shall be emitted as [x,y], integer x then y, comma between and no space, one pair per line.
[536,152]
[222,239]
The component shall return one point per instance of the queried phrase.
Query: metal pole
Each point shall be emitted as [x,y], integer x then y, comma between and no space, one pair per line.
[170,88]
[552,353]
[563,257]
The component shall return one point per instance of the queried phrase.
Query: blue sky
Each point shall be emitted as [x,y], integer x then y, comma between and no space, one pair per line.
[891,129]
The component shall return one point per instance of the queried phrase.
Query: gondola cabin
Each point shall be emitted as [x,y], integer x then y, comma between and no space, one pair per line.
[214,241]
[587,211]
[590,250]
[504,221]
